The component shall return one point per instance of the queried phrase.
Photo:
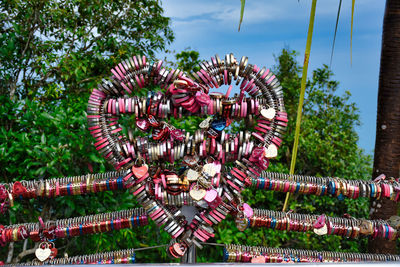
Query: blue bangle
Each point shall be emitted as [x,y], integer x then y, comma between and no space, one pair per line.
[297,188]
[80,229]
[273,223]
[112,224]
[108,184]
[372,190]
[262,184]
[69,189]
[138,221]
[67,231]
[133,220]
[119,183]
[386,231]
[270,185]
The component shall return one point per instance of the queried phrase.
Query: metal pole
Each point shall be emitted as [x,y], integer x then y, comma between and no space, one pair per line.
[190,255]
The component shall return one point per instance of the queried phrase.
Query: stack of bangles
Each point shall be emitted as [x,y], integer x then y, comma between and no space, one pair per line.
[328,186]
[64,228]
[126,256]
[56,187]
[240,253]
[325,225]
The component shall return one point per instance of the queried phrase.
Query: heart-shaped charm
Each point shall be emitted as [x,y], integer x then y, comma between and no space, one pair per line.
[177,135]
[247,210]
[197,193]
[202,98]
[42,254]
[209,169]
[241,223]
[18,189]
[271,151]
[142,124]
[191,160]
[366,227]
[321,231]
[258,259]
[139,172]
[320,222]
[269,114]
[211,195]
[195,159]
[192,175]
[218,125]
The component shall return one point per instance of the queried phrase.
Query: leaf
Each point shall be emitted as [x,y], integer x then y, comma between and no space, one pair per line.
[243,2]
[302,93]
[43,139]
[353,2]
[336,26]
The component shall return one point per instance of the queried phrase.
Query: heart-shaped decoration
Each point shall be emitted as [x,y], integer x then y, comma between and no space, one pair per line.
[211,195]
[269,114]
[139,172]
[197,193]
[320,222]
[321,231]
[192,175]
[42,254]
[247,210]
[202,179]
[18,189]
[258,259]
[271,151]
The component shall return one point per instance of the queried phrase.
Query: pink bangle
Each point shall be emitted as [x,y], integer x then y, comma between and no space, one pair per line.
[116,74]
[142,80]
[122,69]
[178,233]
[213,144]
[229,91]
[225,76]
[205,74]
[113,106]
[119,71]
[101,146]
[144,60]
[270,80]
[57,188]
[202,77]
[135,61]
[126,88]
[138,81]
[265,74]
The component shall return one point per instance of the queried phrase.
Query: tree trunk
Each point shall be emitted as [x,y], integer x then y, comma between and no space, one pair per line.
[387,144]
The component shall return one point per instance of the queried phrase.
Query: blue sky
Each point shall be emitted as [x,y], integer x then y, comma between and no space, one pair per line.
[210,27]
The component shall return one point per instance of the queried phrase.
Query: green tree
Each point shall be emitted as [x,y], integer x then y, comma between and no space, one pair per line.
[51,49]
[52,54]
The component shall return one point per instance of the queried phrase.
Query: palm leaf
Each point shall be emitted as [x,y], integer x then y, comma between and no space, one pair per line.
[336,26]
[243,2]
[351,32]
[302,93]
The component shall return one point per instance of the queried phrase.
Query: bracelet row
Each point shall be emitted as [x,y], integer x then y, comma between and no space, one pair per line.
[65,228]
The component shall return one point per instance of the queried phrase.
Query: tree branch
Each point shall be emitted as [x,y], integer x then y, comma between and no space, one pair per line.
[10,252]
[25,253]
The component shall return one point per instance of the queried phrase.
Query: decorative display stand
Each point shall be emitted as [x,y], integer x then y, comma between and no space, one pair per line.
[206,170]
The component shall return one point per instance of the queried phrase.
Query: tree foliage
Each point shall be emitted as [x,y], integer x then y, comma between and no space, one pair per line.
[51,49]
